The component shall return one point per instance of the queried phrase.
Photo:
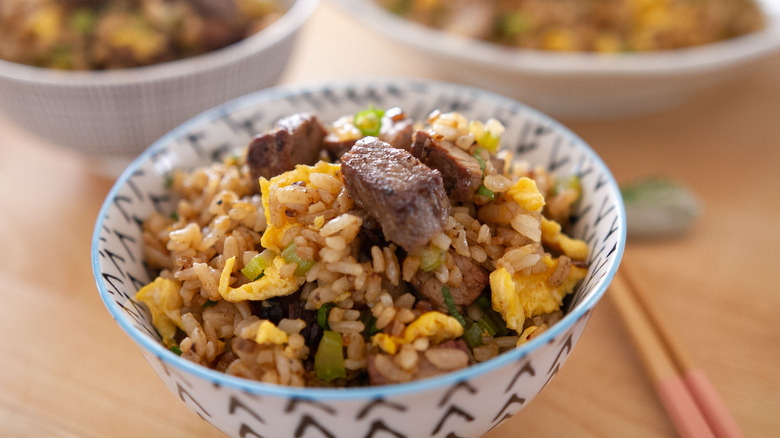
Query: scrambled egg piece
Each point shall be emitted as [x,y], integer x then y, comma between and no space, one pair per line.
[526,194]
[272,237]
[552,236]
[162,298]
[433,324]
[523,338]
[268,333]
[517,297]
[388,343]
[268,286]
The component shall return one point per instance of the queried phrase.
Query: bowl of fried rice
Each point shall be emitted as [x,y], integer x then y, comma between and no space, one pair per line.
[360,256]
[107,78]
[582,58]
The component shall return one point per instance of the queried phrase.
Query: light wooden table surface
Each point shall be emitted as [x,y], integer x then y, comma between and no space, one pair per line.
[67,370]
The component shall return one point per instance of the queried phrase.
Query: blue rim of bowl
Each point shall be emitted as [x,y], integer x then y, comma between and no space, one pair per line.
[289,23]
[722,54]
[259,388]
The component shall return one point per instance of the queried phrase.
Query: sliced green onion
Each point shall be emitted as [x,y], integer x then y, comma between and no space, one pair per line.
[371,326]
[498,323]
[513,23]
[83,21]
[174,216]
[176,349]
[570,183]
[322,315]
[450,303]
[208,304]
[254,269]
[473,336]
[487,325]
[329,359]
[478,156]
[369,121]
[484,191]
[489,141]
[290,256]
[431,258]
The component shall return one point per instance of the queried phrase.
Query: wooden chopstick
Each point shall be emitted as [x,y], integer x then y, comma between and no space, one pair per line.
[688,396]
[701,388]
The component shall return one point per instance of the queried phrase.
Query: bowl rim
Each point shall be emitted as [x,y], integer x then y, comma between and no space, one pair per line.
[690,60]
[292,20]
[323,394]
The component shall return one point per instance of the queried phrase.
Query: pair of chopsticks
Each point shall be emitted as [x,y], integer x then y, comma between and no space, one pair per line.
[688,396]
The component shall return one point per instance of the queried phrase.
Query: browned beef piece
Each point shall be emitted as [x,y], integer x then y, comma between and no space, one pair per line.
[475,279]
[397,129]
[335,147]
[406,197]
[460,171]
[297,139]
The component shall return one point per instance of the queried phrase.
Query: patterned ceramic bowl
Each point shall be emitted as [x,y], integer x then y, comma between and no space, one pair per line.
[468,402]
[117,114]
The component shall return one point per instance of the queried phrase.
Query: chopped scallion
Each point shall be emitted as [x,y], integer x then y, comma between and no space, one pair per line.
[369,121]
[450,303]
[484,191]
[431,258]
[254,269]
[329,359]
[176,349]
[478,156]
[208,304]
[290,256]
[322,315]
[473,336]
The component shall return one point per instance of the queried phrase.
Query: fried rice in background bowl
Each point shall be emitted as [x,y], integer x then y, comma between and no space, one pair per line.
[579,84]
[111,116]
[469,401]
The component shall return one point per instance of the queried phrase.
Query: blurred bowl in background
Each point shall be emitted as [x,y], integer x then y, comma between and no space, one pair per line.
[113,115]
[579,84]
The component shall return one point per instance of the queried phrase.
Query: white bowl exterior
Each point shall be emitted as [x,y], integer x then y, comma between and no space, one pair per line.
[468,402]
[582,85]
[117,114]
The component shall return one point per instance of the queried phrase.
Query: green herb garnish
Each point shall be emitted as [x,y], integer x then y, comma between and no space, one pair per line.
[450,303]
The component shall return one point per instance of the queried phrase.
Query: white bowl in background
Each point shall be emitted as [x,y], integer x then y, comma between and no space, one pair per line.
[114,115]
[580,85]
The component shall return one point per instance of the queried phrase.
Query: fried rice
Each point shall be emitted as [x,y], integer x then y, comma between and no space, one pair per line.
[278,280]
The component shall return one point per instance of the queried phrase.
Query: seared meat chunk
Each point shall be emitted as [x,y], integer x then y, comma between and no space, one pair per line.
[397,129]
[406,197]
[460,171]
[297,139]
[475,279]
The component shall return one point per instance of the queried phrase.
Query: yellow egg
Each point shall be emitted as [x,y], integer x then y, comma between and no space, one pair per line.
[552,236]
[268,286]
[268,333]
[505,300]
[272,237]
[526,194]
[434,325]
[517,297]
[164,302]
[523,338]
[388,343]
